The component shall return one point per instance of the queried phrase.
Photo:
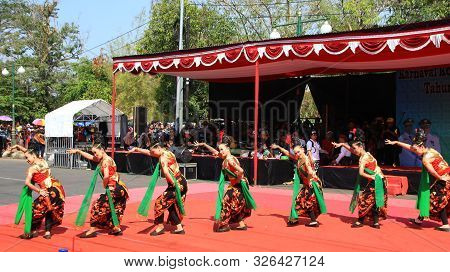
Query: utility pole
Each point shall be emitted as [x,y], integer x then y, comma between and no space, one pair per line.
[179,101]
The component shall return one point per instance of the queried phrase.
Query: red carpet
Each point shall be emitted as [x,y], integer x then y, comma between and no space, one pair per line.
[267,228]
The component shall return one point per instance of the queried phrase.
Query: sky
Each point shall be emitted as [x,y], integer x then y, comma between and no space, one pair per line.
[101,20]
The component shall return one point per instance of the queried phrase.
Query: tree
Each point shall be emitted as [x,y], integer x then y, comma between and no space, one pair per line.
[90,80]
[411,11]
[204,26]
[30,37]
[255,20]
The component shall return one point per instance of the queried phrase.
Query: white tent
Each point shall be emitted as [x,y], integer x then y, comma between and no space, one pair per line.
[59,123]
[59,129]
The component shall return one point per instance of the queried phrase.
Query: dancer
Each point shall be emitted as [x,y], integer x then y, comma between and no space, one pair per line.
[236,203]
[372,202]
[433,198]
[116,190]
[173,198]
[308,202]
[48,206]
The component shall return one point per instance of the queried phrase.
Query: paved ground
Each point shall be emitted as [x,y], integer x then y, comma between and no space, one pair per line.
[75,181]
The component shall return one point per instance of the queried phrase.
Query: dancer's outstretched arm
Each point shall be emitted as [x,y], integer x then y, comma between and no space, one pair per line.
[210,148]
[84,154]
[345,145]
[282,150]
[139,150]
[402,145]
[19,147]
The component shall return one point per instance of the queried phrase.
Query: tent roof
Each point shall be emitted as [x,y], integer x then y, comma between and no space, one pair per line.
[411,46]
[59,123]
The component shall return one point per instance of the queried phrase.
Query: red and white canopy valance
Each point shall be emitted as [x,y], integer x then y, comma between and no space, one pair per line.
[384,49]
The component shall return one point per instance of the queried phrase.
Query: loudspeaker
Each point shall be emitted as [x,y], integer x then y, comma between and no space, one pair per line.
[123,126]
[139,119]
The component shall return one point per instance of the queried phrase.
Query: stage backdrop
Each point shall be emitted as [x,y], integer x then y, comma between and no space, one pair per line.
[426,94]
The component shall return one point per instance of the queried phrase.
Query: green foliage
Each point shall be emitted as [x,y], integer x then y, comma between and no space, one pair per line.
[30,37]
[410,11]
[360,14]
[138,90]
[91,80]
[204,26]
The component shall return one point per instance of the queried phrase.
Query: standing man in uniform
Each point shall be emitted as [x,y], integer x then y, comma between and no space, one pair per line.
[432,140]
[408,158]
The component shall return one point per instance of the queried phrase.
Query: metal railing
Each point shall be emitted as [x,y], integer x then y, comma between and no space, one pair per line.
[56,153]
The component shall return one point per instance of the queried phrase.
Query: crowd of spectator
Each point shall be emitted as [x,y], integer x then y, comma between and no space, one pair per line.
[311,135]
[28,136]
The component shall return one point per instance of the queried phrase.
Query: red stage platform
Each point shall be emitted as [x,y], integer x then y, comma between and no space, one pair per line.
[267,228]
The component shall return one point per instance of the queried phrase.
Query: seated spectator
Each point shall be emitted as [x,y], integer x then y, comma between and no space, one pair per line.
[345,156]
[296,139]
[144,140]
[129,139]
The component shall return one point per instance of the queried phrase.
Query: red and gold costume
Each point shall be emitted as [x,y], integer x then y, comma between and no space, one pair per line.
[101,212]
[50,208]
[234,206]
[439,189]
[167,201]
[306,201]
[366,199]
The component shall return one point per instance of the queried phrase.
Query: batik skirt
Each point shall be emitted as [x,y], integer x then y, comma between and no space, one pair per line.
[367,204]
[439,199]
[101,212]
[53,213]
[306,201]
[234,206]
[168,202]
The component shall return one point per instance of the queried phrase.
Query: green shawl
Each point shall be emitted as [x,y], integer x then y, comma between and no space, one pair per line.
[25,206]
[379,191]
[423,195]
[144,206]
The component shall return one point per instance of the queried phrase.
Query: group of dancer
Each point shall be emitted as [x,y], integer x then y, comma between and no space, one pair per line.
[235,203]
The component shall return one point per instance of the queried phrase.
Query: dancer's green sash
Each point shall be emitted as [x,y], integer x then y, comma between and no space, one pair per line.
[250,202]
[145,203]
[423,195]
[111,205]
[379,191]
[25,206]
[295,192]
[220,191]
[112,208]
[178,194]
[319,197]
[82,212]
[317,192]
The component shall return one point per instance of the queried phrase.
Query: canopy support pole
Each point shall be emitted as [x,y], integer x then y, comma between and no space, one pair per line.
[256,115]
[179,100]
[113,115]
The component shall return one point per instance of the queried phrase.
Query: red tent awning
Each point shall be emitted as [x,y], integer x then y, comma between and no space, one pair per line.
[411,46]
